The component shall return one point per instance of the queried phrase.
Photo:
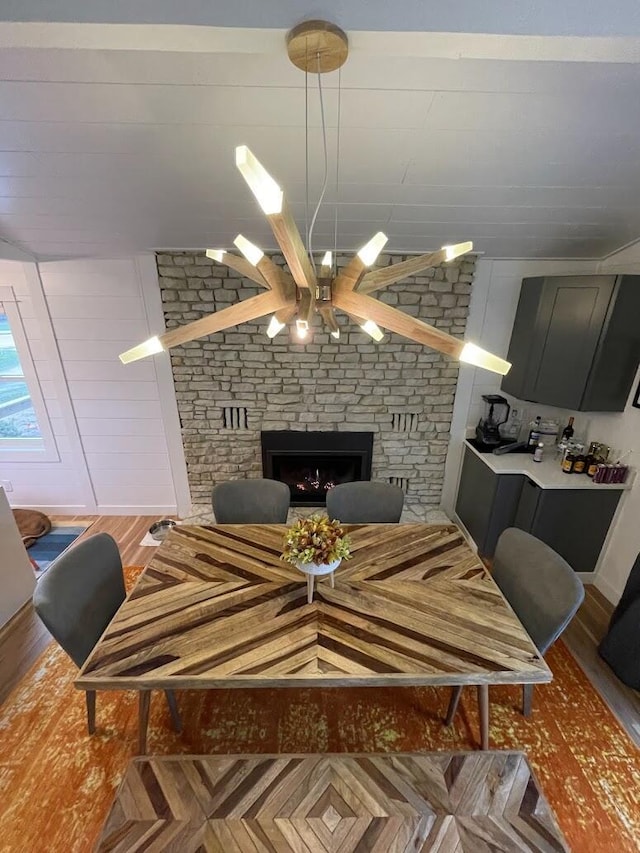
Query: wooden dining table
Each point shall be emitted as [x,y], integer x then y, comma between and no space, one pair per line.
[216,607]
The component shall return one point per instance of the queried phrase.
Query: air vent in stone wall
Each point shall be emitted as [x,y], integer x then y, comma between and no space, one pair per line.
[402,422]
[234,417]
[403,482]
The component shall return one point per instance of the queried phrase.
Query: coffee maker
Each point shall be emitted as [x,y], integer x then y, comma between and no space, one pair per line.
[496,413]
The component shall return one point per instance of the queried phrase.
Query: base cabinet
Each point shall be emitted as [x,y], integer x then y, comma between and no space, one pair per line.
[486,502]
[574,522]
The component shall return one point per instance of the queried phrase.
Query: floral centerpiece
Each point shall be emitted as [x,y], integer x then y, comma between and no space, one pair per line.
[316,545]
[317,540]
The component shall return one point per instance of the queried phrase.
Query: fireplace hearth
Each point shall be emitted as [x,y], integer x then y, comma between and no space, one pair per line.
[311,463]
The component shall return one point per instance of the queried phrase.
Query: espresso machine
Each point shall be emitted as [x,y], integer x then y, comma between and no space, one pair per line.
[496,413]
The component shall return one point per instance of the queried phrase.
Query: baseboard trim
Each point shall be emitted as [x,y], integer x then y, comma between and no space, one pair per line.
[610,592]
[125,509]
[137,510]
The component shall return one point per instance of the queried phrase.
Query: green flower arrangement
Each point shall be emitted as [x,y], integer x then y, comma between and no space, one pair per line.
[316,539]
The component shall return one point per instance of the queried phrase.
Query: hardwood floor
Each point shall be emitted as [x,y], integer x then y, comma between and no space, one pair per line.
[582,638]
[24,637]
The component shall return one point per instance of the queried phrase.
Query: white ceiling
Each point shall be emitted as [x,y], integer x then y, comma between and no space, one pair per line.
[120,138]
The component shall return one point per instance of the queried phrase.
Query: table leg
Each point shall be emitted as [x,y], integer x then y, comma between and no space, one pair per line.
[309,589]
[143,721]
[483,704]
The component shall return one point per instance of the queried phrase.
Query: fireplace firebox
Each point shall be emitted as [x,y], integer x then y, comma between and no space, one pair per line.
[311,463]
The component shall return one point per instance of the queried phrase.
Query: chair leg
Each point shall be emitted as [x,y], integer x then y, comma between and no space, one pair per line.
[527,699]
[456,693]
[173,707]
[91,710]
[483,705]
[143,720]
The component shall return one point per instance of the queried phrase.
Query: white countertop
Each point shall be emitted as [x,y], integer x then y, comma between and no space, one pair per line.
[546,474]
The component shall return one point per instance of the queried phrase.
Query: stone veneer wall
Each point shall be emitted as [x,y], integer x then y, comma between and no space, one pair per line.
[401,391]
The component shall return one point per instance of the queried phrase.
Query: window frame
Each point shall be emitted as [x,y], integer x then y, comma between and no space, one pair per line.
[44,448]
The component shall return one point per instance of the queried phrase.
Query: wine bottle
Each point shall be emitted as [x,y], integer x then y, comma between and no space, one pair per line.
[567,432]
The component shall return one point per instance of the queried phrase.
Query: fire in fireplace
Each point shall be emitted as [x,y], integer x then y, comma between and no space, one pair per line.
[311,463]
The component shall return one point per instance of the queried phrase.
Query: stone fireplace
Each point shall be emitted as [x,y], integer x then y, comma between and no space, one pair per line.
[235,385]
[311,463]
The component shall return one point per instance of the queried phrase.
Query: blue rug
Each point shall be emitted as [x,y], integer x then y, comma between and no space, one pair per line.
[52,544]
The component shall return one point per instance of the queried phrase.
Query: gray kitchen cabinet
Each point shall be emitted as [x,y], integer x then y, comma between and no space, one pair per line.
[575,342]
[486,502]
[574,522]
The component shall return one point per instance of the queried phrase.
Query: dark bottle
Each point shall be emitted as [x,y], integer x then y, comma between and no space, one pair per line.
[567,432]
[568,462]
[534,434]
[579,464]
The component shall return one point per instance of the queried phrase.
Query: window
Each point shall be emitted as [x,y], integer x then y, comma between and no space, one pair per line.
[17,415]
[25,433]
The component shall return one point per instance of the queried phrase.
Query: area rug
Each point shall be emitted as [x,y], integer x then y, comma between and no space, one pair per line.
[52,544]
[56,782]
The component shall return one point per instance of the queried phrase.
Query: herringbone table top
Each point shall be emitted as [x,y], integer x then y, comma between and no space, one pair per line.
[439,801]
[216,607]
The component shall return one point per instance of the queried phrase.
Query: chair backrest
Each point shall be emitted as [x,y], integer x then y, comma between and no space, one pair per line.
[251,502]
[79,594]
[538,583]
[365,502]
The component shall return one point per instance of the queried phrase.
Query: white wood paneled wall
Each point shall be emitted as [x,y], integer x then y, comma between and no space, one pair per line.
[120,460]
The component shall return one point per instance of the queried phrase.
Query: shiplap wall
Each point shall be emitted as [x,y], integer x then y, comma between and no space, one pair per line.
[96,310]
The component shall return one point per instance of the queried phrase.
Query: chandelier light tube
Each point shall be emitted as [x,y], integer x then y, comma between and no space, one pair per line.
[471,354]
[267,192]
[370,251]
[251,252]
[373,330]
[150,347]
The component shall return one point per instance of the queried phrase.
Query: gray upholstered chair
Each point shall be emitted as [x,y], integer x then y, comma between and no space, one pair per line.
[365,502]
[542,589]
[77,598]
[251,502]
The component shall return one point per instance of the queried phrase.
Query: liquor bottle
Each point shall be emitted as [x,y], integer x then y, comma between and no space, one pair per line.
[579,464]
[534,434]
[568,462]
[567,432]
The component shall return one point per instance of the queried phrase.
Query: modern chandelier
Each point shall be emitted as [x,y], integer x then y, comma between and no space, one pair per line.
[306,290]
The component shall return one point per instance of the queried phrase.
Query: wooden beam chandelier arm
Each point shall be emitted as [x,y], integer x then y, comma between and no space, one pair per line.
[277,279]
[329,316]
[234,315]
[377,279]
[390,318]
[286,233]
[239,264]
[348,279]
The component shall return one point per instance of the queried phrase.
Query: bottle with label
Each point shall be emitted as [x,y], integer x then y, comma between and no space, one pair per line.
[568,462]
[567,432]
[534,433]
[537,453]
[579,464]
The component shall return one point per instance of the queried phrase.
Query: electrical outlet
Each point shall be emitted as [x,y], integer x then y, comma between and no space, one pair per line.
[6,485]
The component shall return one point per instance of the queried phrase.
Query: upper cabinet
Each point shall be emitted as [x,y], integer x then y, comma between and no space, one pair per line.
[576,342]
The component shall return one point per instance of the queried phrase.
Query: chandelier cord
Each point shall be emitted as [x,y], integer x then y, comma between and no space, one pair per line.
[326,167]
[335,219]
[306,154]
